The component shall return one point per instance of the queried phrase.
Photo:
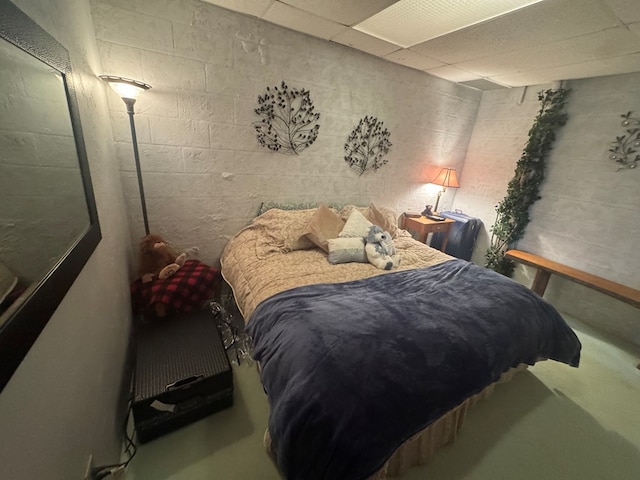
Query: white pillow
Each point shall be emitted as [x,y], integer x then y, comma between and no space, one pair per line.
[348,249]
[357,225]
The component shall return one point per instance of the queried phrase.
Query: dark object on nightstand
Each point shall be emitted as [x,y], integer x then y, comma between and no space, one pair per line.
[462,237]
[412,214]
[182,373]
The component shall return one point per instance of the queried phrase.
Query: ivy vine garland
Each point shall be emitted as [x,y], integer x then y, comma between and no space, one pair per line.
[367,145]
[523,189]
[288,119]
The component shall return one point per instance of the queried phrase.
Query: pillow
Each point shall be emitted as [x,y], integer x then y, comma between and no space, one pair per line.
[347,249]
[357,225]
[324,224]
[284,229]
[186,290]
[384,218]
[345,211]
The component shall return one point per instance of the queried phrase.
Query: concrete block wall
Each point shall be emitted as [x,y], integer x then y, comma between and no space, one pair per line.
[205,174]
[588,214]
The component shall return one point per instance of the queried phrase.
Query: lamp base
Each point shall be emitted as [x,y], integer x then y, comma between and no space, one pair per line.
[435,209]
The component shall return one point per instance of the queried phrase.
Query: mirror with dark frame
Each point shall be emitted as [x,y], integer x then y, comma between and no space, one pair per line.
[48,220]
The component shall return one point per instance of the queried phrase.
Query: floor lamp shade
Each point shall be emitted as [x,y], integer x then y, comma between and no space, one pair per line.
[129,89]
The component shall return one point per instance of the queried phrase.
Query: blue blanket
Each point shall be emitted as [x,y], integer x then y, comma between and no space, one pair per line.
[354,369]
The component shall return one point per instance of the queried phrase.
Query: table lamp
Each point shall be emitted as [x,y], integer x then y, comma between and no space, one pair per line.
[446,178]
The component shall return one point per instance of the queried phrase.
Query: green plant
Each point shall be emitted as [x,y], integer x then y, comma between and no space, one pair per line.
[523,189]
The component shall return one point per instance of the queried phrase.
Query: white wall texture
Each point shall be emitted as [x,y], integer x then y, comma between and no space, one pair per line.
[588,214]
[205,174]
[64,401]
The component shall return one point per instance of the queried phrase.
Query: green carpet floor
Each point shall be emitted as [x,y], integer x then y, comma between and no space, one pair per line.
[551,422]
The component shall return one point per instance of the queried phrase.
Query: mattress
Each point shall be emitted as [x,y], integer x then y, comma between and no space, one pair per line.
[257,263]
[266,260]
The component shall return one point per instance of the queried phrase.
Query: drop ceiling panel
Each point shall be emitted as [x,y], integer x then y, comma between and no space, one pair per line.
[627,10]
[412,59]
[548,21]
[600,45]
[454,74]
[596,68]
[249,7]
[547,41]
[409,22]
[341,11]
[635,29]
[482,84]
[366,43]
[302,21]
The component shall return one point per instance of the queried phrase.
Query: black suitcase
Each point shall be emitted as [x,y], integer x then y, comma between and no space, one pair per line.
[182,373]
[462,237]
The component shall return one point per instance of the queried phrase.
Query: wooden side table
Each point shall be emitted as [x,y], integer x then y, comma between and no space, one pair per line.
[424,226]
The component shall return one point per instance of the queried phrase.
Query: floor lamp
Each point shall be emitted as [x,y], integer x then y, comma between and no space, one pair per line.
[129,90]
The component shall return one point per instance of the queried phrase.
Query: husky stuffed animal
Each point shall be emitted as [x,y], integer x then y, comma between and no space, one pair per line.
[381,252]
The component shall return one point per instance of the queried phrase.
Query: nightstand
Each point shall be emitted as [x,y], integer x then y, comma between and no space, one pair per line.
[424,226]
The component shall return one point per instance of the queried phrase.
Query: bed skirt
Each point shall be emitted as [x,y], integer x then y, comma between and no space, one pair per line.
[421,448]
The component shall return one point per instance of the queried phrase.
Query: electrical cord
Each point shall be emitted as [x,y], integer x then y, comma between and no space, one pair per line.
[103,471]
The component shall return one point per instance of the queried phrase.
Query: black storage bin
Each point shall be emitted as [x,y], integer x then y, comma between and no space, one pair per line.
[462,237]
[182,374]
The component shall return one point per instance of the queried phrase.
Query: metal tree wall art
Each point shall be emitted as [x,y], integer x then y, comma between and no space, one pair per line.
[289,123]
[367,145]
[623,149]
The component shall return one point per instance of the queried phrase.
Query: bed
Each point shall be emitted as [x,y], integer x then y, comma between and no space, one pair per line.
[370,371]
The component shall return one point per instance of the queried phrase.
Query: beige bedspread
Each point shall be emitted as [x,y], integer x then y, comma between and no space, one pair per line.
[267,257]
[262,259]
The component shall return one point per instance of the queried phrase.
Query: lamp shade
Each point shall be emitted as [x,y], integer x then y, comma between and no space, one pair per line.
[126,87]
[446,178]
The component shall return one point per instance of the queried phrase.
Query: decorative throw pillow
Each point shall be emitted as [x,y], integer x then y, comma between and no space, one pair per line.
[348,249]
[384,217]
[357,225]
[285,229]
[324,224]
[345,211]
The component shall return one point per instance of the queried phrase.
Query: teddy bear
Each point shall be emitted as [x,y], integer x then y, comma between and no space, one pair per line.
[157,259]
[380,249]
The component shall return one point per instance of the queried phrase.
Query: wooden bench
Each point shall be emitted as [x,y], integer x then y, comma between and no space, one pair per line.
[547,267]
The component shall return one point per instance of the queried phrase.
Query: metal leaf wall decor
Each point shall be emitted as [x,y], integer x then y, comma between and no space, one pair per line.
[367,145]
[625,146]
[289,123]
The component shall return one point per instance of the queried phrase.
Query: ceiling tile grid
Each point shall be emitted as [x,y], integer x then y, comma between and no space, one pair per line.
[366,43]
[600,45]
[344,12]
[412,59]
[543,42]
[302,21]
